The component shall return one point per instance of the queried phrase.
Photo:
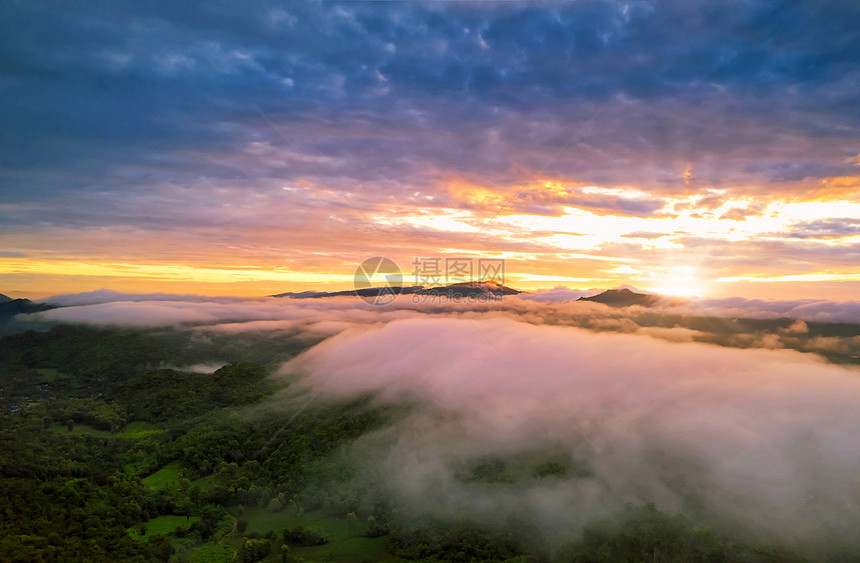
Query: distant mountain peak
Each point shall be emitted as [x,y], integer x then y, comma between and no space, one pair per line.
[622,297]
[364,292]
[454,290]
[12,307]
[4,298]
[471,289]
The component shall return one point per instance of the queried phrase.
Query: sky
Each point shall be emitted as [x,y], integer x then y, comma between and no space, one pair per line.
[691,148]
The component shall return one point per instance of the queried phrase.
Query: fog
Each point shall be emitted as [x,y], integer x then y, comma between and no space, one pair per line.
[764,442]
[759,441]
[671,320]
[109,307]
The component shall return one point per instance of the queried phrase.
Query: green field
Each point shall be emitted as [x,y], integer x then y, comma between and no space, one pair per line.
[344,544]
[211,553]
[353,549]
[206,483]
[261,520]
[52,374]
[80,430]
[165,478]
[162,525]
[136,430]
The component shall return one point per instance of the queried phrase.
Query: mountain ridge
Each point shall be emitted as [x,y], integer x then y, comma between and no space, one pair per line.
[456,291]
[9,309]
[622,297]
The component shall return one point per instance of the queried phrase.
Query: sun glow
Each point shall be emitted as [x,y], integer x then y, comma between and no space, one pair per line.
[679,281]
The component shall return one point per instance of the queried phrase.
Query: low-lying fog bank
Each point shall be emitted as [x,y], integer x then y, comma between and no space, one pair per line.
[762,441]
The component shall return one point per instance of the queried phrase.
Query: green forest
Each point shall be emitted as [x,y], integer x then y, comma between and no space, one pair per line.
[109,454]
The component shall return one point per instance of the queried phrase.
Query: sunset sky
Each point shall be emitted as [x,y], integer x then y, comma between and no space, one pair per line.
[692,148]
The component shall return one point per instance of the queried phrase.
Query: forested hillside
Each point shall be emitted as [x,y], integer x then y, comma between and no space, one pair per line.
[125,460]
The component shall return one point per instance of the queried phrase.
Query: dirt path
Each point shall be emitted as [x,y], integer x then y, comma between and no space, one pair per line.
[230,533]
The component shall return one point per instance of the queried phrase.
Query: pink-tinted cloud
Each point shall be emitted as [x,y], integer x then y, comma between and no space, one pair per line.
[763,439]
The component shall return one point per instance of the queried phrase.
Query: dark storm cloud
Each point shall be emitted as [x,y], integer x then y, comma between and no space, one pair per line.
[109,97]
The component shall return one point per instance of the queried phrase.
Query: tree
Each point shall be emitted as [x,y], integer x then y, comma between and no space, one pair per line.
[70,424]
[275,505]
[304,536]
[374,528]
[254,550]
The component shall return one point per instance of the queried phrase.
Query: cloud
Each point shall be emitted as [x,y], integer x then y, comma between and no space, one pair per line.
[754,435]
[232,315]
[797,327]
[819,310]
[674,334]
[287,136]
[141,314]
[558,294]
[201,368]
[554,306]
[102,296]
[359,95]
[644,235]
[762,439]
[832,228]
[741,213]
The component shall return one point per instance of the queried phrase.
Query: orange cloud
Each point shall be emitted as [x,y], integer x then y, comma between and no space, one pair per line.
[845,188]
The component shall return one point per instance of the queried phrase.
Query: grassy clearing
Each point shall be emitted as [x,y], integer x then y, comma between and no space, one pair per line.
[165,478]
[261,520]
[137,430]
[52,374]
[134,431]
[345,543]
[210,553]
[348,550]
[206,483]
[162,525]
[79,430]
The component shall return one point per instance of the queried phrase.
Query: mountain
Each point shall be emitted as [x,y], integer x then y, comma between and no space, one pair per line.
[366,292]
[12,307]
[4,298]
[453,291]
[622,298]
[470,290]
